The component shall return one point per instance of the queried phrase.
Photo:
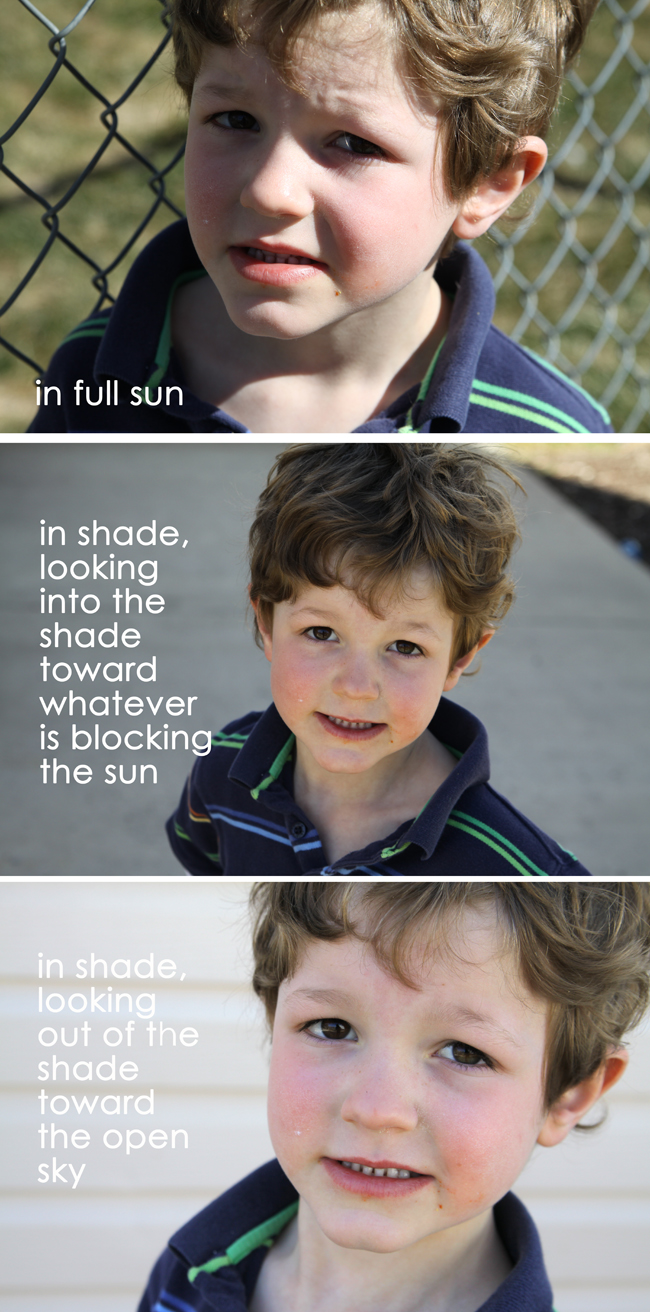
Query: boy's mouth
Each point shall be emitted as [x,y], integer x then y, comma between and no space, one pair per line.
[349,729]
[392,1172]
[385,1180]
[352,724]
[275,268]
[277,257]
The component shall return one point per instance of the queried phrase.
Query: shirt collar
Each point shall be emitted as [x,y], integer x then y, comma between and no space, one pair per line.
[527,1287]
[245,1208]
[466,738]
[136,346]
[260,762]
[467,280]
[441,403]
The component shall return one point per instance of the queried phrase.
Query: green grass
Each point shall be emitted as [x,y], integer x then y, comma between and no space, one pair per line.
[113,42]
[110,46]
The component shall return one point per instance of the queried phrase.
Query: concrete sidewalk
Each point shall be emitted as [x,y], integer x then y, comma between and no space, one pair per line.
[564,689]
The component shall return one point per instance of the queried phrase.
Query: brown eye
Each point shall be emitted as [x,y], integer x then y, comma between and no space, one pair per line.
[331,1028]
[319,633]
[237,120]
[468,1056]
[405,648]
[353,145]
[461,1054]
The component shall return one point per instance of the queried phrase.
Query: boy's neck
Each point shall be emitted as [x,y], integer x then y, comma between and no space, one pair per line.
[455,1270]
[350,811]
[329,381]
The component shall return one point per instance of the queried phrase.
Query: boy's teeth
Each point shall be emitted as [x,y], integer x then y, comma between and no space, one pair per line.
[392,1171]
[273,257]
[352,724]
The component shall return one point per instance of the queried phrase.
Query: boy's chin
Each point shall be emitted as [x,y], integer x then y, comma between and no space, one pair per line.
[368,1235]
[282,321]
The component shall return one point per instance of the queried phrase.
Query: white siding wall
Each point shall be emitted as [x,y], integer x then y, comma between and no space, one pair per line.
[90,1250]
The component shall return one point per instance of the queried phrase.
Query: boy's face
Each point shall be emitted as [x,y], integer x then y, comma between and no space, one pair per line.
[339,182]
[354,688]
[443,1081]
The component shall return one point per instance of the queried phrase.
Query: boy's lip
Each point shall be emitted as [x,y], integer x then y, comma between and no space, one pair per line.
[347,730]
[277,265]
[376,1186]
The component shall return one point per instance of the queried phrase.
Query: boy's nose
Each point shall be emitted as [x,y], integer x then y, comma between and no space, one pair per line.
[356,677]
[277,183]
[380,1098]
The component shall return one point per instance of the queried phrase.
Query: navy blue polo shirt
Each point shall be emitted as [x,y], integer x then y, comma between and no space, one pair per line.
[129,380]
[212,1263]
[238,815]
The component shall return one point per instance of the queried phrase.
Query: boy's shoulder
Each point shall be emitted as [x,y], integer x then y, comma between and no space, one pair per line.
[470,828]
[214,1260]
[524,393]
[237,813]
[126,350]
[482,381]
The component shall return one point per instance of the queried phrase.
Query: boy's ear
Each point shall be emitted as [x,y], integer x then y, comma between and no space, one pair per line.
[464,661]
[572,1105]
[494,195]
[266,635]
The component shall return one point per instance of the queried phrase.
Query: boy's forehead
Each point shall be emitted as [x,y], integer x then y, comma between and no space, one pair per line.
[470,944]
[359,37]
[349,58]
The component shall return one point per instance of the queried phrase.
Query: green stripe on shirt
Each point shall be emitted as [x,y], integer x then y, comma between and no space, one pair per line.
[552,369]
[480,824]
[535,417]
[483,838]
[90,328]
[526,399]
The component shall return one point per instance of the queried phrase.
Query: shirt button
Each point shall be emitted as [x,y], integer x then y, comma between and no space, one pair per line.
[299,829]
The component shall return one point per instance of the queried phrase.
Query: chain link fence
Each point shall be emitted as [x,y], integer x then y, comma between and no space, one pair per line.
[90,168]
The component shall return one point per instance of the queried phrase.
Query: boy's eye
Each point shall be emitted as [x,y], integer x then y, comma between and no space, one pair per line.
[356,145]
[461,1054]
[319,633]
[332,1028]
[404,648]
[237,120]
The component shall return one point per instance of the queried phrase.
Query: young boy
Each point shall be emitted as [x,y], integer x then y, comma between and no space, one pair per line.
[424,1039]
[378,571]
[336,150]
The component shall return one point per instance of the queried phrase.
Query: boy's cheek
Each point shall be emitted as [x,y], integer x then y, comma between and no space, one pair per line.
[296,1102]
[372,240]
[294,687]
[207,193]
[486,1157]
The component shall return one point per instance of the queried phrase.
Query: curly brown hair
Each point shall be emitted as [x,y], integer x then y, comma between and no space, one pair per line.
[368,514]
[585,950]
[493,68]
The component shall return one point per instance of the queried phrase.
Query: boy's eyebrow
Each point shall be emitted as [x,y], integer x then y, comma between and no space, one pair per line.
[220,88]
[336,996]
[466,1016]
